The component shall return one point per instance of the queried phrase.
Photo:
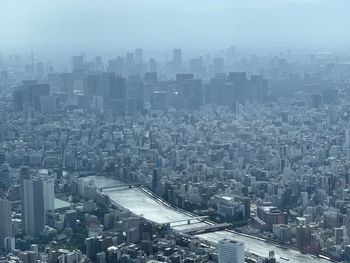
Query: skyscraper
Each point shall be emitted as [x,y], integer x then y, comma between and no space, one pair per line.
[118,89]
[78,62]
[37,197]
[303,237]
[5,221]
[152,65]
[177,57]
[48,104]
[130,59]
[138,56]
[176,63]
[231,251]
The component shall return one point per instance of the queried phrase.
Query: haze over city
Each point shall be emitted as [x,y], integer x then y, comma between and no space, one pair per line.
[108,25]
[178,131]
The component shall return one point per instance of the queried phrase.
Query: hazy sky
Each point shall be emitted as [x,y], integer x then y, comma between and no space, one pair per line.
[161,24]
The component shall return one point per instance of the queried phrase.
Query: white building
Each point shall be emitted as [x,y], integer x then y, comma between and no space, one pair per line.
[231,251]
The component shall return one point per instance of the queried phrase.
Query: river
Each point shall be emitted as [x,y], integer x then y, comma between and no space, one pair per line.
[142,204]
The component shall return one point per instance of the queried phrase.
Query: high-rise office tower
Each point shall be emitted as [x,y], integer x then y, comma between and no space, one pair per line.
[231,251]
[93,84]
[90,246]
[218,65]
[139,67]
[177,57]
[28,256]
[28,95]
[176,63]
[135,93]
[36,92]
[67,82]
[130,59]
[159,100]
[138,56]
[99,64]
[78,62]
[109,84]
[37,197]
[130,63]
[259,88]
[4,76]
[39,70]
[4,170]
[303,237]
[316,100]
[152,65]
[151,77]
[117,65]
[348,222]
[197,66]
[190,91]
[5,221]
[48,104]
[118,89]
[347,138]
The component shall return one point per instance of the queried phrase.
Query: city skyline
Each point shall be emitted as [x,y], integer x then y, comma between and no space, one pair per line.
[178,131]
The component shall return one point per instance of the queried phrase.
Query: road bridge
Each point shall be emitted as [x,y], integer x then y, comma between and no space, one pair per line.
[187,221]
[120,186]
[205,229]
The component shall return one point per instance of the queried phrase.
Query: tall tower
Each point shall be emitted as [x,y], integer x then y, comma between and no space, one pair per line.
[78,62]
[139,56]
[231,251]
[5,221]
[32,59]
[37,197]
[130,59]
[177,57]
[347,138]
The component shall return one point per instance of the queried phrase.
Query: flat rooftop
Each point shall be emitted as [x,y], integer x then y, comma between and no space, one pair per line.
[60,204]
